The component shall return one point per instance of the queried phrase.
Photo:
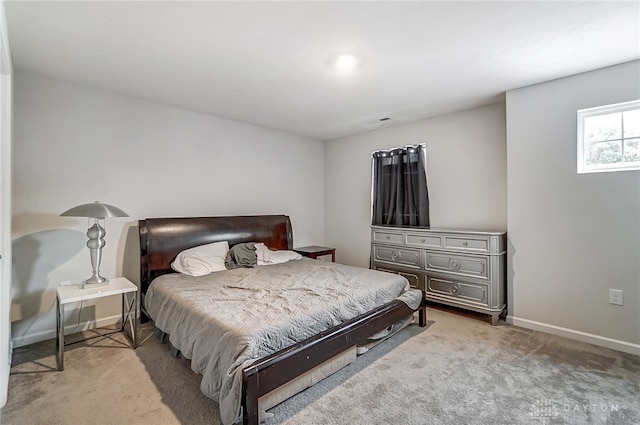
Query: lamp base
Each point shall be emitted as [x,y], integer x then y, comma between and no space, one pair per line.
[95,281]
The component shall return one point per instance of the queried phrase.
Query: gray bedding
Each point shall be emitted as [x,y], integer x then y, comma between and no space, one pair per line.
[241,255]
[226,320]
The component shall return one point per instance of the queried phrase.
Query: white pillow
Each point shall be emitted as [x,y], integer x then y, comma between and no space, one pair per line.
[202,260]
[266,256]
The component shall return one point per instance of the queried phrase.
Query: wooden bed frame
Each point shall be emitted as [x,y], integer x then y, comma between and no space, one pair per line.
[161,239]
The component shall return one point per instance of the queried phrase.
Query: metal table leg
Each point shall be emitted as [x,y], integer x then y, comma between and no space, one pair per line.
[60,335]
[129,311]
[136,302]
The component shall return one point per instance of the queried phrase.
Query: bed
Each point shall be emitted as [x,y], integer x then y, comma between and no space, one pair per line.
[162,239]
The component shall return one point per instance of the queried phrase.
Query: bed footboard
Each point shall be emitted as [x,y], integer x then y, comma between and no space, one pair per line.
[283,366]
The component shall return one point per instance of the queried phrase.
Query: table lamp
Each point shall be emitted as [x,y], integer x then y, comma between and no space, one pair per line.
[96,233]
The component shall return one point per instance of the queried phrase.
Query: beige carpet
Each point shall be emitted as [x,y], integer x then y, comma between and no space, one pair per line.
[459,370]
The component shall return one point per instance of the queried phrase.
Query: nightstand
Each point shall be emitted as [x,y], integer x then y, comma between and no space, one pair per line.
[315,251]
[75,293]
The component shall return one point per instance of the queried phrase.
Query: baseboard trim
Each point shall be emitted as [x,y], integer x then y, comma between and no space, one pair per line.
[27,339]
[601,341]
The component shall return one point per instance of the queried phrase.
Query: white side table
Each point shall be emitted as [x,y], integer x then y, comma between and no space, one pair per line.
[74,293]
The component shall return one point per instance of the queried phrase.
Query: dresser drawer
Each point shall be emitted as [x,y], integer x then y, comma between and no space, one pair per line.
[470,265]
[470,243]
[426,241]
[414,279]
[388,237]
[468,291]
[400,256]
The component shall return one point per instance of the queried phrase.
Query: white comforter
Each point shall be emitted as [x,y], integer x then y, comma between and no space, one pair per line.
[226,320]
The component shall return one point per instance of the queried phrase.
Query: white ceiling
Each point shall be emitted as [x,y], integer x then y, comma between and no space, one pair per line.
[267,63]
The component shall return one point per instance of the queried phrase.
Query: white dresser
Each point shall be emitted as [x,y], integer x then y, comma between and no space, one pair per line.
[461,268]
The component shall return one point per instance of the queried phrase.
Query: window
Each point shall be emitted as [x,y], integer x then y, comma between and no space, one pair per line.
[609,138]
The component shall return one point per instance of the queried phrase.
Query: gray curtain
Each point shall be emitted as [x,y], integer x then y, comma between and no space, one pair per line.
[400,195]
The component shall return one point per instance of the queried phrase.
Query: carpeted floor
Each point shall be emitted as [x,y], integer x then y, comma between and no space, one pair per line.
[459,370]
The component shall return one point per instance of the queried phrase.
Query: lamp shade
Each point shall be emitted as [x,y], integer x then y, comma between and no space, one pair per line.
[95,209]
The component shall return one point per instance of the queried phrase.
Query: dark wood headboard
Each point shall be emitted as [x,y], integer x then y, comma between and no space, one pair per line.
[162,239]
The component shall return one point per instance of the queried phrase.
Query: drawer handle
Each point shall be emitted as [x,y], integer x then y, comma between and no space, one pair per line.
[455,266]
[454,290]
[465,243]
[423,240]
[388,237]
[395,255]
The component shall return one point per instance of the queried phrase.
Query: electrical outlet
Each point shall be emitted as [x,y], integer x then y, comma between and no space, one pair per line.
[615,296]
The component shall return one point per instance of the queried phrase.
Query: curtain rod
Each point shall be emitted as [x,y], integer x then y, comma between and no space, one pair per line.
[424,145]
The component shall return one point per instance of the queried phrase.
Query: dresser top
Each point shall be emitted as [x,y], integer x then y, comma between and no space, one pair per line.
[439,230]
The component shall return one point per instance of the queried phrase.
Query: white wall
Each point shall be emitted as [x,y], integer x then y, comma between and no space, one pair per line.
[75,145]
[6,86]
[571,236]
[466,176]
